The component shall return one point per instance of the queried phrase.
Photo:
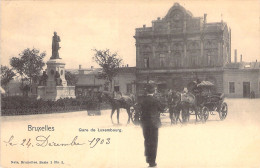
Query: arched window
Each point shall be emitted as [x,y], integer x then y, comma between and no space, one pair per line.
[162,60]
[211,61]
[146,62]
[177,46]
[193,60]
[177,59]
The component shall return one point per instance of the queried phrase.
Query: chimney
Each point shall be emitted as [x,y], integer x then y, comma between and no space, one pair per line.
[235,59]
[205,18]
[158,18]
[79,66]
[144,26]
[241,58]
[230,46]
[126,65]
[92,67]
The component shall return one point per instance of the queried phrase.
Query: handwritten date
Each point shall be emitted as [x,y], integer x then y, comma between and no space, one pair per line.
[44,141]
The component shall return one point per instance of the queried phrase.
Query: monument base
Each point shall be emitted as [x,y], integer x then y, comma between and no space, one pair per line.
[55,93]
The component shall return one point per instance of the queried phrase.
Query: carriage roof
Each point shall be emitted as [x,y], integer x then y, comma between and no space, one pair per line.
[157,82]
[205,84]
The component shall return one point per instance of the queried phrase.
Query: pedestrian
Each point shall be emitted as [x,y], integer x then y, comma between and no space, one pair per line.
[150,122]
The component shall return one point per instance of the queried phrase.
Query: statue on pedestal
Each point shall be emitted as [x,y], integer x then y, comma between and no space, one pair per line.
[55,46]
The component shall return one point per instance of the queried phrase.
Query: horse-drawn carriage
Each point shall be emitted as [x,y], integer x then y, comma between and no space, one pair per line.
[209,101]
[199,100]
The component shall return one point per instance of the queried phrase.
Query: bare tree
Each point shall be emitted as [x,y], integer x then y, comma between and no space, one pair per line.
[109,62]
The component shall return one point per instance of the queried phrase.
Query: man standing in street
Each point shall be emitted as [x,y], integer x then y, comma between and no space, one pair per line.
[150,122]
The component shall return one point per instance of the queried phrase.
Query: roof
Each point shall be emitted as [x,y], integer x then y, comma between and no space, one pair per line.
[243,65]
[177,6]
[127,69]
[91,71]
[232,66]
[73,71]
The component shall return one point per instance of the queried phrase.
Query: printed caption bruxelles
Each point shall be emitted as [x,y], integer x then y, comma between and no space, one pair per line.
[38,129]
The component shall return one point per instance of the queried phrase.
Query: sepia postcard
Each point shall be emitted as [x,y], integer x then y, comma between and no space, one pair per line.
[130,84]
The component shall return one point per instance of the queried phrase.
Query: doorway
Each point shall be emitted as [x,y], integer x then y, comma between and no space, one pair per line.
[246,89]
[116,88]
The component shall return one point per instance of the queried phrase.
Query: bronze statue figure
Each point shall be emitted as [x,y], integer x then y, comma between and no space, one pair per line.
[43,79]
[55,46]
[58,79]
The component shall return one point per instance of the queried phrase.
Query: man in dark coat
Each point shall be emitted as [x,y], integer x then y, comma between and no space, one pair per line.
[150,122]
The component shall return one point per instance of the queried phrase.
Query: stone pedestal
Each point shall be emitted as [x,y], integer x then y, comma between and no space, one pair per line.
[54,66]
[56,90]
[55,93]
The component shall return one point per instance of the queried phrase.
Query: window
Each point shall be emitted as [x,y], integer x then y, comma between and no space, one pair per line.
[129,88]
[146,62]
[231,87]
[177,58]
[162,60]
[211,60]
[178,62]
[193,60]
[116,88]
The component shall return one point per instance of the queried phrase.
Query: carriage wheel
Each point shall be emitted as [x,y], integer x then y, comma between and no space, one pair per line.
[199,112]
[135,115]
[204,113]
[223,111]
[188,115]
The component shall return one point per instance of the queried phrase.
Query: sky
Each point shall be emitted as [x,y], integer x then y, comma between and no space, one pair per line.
[110,24]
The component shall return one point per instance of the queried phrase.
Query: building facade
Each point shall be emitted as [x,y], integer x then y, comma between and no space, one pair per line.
[87,80]
[180,48]
[124,81]
[242,80]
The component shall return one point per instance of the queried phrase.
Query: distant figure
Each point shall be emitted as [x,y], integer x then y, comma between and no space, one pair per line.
[150,122]
[117,95]
[252,94]
[55,46]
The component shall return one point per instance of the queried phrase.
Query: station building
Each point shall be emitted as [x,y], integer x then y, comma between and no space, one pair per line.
[180,48]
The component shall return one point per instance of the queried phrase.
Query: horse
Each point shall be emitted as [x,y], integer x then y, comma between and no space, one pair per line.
[125,102]
[181,102]
[173,101]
